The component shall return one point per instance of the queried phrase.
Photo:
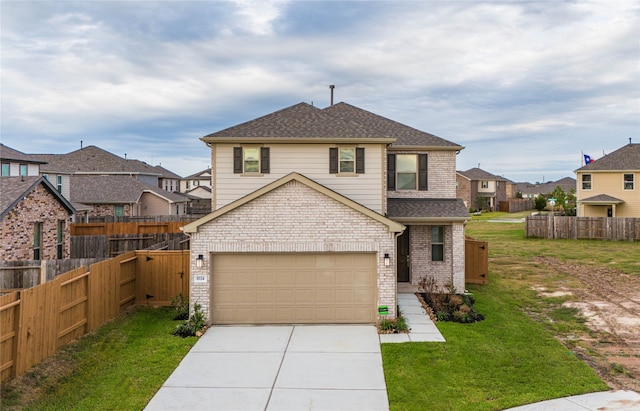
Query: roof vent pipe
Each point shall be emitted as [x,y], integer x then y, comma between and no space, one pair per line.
[331,87]
[80,144]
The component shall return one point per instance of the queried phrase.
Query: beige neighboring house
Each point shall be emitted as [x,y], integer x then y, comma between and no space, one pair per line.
[190,183]
[608,186]
[34,220]
[531,190]
[319,214]
[123,196]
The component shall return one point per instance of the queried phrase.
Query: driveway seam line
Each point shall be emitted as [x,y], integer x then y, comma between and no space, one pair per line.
[284,353]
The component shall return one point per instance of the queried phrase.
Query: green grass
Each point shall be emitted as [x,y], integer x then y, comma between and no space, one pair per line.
[514,357]
[120,367]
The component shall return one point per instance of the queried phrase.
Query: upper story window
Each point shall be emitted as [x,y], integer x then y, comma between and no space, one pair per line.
[250,160]
[407,172]
[24,170]
[586,181]
[59,182]
[346,160]
[484,184]
[6,169]
[628,181]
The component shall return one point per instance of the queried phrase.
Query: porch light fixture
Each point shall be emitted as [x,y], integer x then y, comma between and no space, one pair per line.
[199,260]
[387,260]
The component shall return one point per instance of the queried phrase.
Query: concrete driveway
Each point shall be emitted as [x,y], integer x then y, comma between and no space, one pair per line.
[301,367]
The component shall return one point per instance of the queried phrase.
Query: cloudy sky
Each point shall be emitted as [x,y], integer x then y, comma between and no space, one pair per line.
[526,87]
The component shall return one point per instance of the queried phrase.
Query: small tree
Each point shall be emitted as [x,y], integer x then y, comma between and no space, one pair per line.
[560,196]
[480,203]
[540,203]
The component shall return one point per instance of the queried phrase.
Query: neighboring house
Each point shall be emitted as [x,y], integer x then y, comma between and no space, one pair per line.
[168,180]
[34,220]
[16,163]
[608,187]
[320,213]
[480,189]
[199,179]
[121,196]
[529,190]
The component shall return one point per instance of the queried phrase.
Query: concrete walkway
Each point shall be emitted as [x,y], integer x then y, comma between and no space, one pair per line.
[279,368]
[597,401]
[422,329]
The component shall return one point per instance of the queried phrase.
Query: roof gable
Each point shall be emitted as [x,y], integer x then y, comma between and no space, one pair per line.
[478,174]
[15,189]
[392,225]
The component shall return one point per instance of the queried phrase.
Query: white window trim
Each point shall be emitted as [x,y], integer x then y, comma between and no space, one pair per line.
[582,176]
[632,181]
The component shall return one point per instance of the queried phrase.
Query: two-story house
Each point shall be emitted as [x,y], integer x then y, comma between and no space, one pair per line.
[608,186]
[197,184]
[480,189]
[319,213]
[16,163]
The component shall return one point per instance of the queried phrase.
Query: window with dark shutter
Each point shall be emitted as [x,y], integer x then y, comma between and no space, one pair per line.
[237,160]
[422,172]
[264,160]
[391,172]
[360,160]
[333,160]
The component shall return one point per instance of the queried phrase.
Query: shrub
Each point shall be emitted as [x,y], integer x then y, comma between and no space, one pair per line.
[194,324]
[447,304]
[181,305]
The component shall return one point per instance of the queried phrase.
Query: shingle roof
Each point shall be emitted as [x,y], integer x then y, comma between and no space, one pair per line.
[478,174]
[602,198]
[624,158]
[200,175]
[92,159]
[567,183]
[426,208]
[8,153]
[167,173]
[14,189]
[340,121]
[118,189]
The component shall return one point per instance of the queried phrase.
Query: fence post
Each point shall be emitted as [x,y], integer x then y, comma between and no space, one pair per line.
[43,271]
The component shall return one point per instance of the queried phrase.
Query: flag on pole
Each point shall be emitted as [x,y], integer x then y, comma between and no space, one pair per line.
[588,159]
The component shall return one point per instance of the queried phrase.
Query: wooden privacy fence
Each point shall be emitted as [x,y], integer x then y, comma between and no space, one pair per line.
[517,205]
[476,261]
[574,228]
[16,275]
[107,246]
[104,228]
[35,322]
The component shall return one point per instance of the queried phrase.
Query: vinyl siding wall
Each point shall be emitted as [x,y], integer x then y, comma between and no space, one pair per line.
[609,183]
[310,160]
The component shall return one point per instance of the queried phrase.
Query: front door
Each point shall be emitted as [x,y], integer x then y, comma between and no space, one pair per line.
[403,257]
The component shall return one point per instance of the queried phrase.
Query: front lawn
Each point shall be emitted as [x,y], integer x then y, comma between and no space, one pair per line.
[119,367]
[501,362]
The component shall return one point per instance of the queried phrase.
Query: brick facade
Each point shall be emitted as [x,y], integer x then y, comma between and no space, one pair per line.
[441,176]
[17,227]
[449,271]
[293,218]
[103,210]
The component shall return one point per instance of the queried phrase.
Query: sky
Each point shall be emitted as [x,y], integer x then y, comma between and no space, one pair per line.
[525,86]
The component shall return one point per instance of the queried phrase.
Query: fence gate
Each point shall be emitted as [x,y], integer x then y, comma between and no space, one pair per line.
[476,261]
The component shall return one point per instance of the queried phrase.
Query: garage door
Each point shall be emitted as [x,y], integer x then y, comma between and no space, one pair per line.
[293,288]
